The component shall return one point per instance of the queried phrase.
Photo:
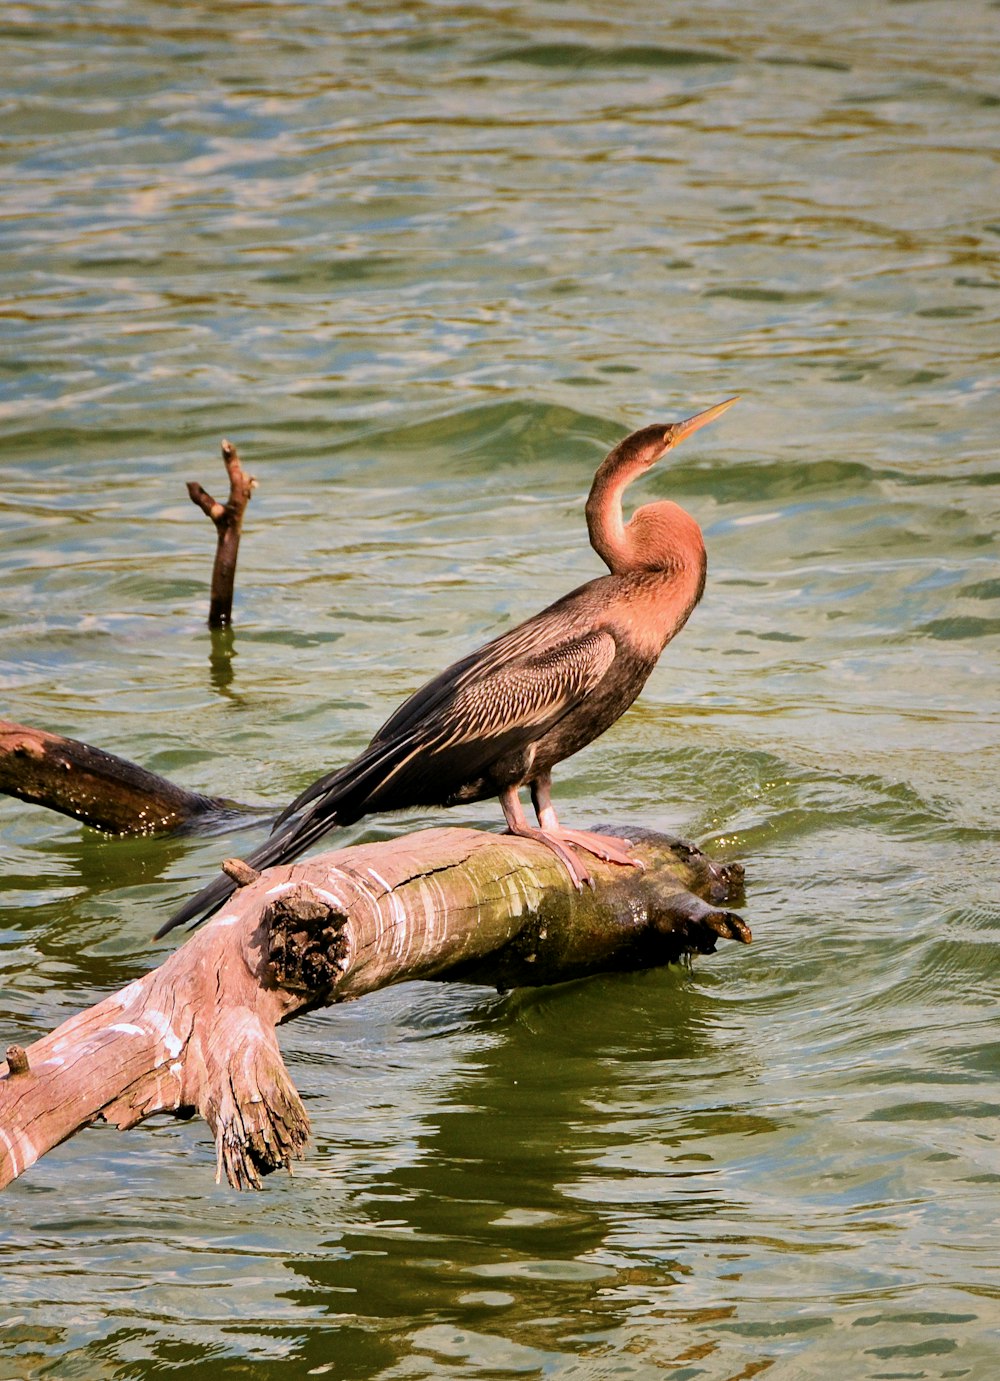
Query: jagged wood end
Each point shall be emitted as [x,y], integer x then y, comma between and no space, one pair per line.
[199,1033]
[196,1034]
[250,1103]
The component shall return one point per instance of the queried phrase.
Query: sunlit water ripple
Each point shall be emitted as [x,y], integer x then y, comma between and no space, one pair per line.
[424,266]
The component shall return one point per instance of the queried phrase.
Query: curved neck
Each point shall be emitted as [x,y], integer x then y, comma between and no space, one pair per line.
[605,521]
[658,537]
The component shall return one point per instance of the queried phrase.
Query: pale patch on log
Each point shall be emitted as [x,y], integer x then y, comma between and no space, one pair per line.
[199,1032]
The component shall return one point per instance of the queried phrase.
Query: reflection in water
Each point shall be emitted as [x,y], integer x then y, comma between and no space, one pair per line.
[221,658]
[521,1160]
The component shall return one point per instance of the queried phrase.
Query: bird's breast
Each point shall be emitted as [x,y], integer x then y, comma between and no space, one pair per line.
[651,607]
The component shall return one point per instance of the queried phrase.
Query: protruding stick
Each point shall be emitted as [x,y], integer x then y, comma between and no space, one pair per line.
[228,520]
[17,1060]
[241,873]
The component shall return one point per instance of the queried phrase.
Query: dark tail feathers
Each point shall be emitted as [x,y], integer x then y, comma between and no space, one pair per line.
[339,798]
[281,847]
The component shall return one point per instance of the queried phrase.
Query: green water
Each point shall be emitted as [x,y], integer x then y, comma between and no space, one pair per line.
[423,263]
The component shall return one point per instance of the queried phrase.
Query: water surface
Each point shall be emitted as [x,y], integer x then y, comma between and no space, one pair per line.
[423,265]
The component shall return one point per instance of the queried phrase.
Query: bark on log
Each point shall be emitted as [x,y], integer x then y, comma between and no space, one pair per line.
[228,520]
[101,790]
[198,1033]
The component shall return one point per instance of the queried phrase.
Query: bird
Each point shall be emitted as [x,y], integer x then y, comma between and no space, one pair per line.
[502,717]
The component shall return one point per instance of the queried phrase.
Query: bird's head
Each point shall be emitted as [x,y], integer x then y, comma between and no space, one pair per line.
[645,447]
[646,542]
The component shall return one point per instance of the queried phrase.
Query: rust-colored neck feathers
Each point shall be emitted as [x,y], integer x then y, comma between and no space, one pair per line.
[658,536]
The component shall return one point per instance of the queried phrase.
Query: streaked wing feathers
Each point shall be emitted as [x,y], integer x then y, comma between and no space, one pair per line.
[479,710]
[517,646]
[485,719]
[532,693]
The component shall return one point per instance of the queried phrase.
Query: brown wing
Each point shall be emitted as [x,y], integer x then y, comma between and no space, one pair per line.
[486,711]
[532,640]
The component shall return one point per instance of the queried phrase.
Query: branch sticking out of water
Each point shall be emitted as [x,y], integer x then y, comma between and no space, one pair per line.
[228,520]
[198,1034]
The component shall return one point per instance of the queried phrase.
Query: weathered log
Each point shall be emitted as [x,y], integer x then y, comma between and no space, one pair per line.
[198,1033]
[101,790]
[228,520]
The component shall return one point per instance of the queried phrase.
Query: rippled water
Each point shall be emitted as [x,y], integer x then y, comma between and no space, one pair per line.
[424,263]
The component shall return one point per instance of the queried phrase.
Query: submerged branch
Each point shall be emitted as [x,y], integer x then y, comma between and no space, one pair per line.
[101,790]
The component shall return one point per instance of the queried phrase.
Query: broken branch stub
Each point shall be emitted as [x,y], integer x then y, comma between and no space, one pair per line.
[228,520]
[198,1033]
[306,947]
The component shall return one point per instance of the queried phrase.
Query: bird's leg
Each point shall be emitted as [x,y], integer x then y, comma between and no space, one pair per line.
[541,799]
[518,825]
[600,845]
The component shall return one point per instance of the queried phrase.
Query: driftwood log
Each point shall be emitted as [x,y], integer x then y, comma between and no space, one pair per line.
[198,1033]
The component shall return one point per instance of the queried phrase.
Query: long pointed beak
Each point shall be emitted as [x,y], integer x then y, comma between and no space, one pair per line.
[680,430]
